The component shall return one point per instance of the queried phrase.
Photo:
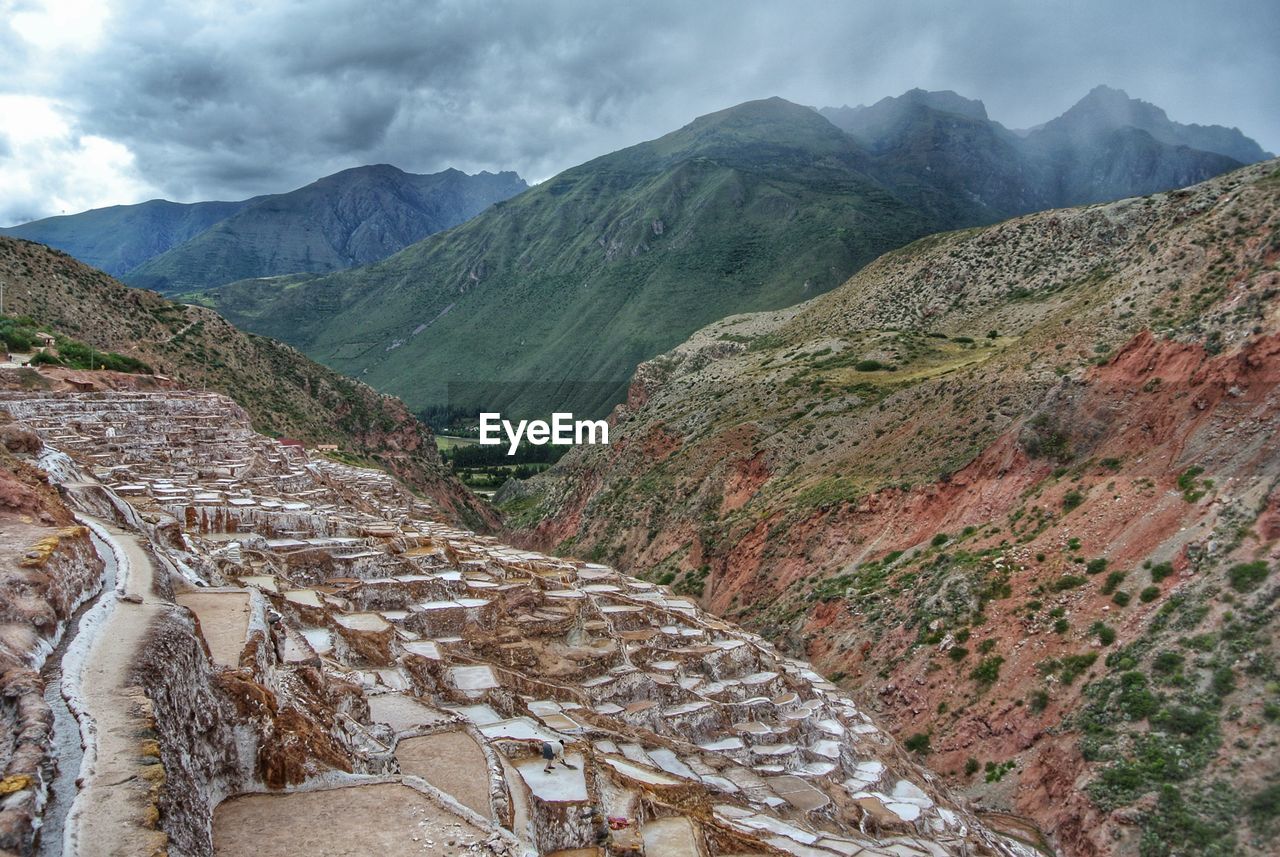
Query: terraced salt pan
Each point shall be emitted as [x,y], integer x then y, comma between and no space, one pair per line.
[561,785]
[294,648]
[636,753]
[305,597]
[720,784]
[450,604]
[518,729]
[639,773]
[774,825]
[671,837]
[362,622]
[423,648]
[472,679]
[387,819]
[815,769]
[480,715]
[826,748]
[452,762]
[831,727]
[540,707]
[224,622]
[396,679]
[671,763]
[320,639]
[562,723]
[403,713]
[758,678]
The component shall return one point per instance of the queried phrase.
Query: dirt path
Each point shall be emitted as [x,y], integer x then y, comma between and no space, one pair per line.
[109,815]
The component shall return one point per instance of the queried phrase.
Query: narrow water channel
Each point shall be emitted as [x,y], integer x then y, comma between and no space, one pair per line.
[66,750]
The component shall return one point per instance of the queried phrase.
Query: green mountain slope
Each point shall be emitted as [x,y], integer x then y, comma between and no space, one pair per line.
[551,298]
[350,218]
[119,238]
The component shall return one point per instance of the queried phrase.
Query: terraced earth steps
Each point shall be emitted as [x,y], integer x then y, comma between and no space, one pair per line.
[359,641]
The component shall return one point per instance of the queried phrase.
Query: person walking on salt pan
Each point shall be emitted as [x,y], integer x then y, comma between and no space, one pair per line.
[555,753]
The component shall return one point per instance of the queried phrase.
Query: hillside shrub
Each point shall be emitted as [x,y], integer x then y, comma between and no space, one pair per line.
[987,670]
[1247,575]
[918,743]
[1067,581]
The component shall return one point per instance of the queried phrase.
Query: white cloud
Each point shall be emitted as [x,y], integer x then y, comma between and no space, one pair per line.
[48,166]
[60,25]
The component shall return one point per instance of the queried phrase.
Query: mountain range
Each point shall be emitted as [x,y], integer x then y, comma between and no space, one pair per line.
[552,298]
[350,218]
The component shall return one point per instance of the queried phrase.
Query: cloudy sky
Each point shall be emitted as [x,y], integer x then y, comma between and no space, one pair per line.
[118,101]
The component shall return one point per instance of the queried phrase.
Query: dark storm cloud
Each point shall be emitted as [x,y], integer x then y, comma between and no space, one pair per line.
[229,100]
